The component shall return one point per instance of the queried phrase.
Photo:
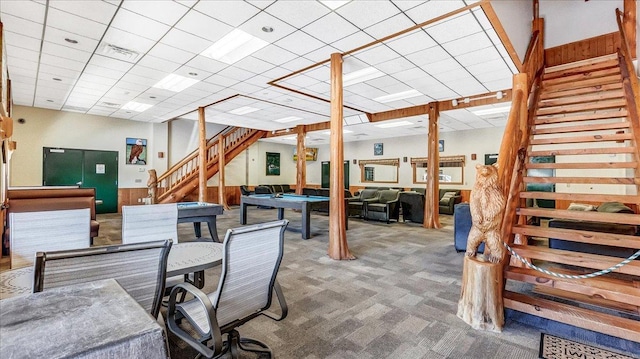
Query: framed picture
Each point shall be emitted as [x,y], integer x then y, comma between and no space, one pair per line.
[273,164]
[440,145]
[310,152]
[136,151]
[377,149]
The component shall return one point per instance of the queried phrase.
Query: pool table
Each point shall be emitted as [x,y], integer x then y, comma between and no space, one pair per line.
[293,201]
[197,212]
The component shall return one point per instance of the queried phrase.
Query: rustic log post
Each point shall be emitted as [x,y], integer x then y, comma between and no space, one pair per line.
[431,205]
[338,248]
[202,157]
[222,199]
[301,164]
[630,15]
[152,186]
[481,304]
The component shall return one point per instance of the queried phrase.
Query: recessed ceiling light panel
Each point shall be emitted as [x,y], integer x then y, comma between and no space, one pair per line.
[234,46]
[244,110]
[394,124]
[492,111]
[398,96]
[175,83]
[366,74]
[288,119]
[136,106]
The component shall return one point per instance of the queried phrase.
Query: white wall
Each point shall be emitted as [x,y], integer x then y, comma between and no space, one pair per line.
[569,21]
[257,162]
[49,128]
[515,17]
[184,138]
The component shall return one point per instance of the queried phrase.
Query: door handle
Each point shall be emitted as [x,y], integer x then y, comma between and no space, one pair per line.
[79,183]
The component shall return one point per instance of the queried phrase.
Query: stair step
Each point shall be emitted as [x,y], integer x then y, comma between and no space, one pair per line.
[582,83]
[582,165]
[587,197]
[594,300]
[581,76]
[582,151]
[621,218]
[601,115]
[581,69]
[580,259]
[596,105]
[580,91]
[574,235]
[582,139]
[603,287]
[613,325]
[598,180]
[581,98]
[583,128]
[570,65]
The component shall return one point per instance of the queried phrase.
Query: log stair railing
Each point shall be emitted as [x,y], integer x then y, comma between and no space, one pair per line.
[182,178]
[586,117]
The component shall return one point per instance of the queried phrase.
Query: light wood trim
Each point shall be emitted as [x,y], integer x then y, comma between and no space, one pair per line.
[575,197]
[431,205]
[585,62]
[580,91]
[582,139]
[599,180]
[600,105]
[581,165]
[581,76]
[616,78]
[222,200]
[583,49]
[566,100]
[628,329]
[629,24]
[502,34]
[301,163]
[577,69]
[621,218]
[202,154]
[607,288]
[595,300]
[382,161]
[338,247]
[584,128]
[547,120]
[574,235]
[582,151]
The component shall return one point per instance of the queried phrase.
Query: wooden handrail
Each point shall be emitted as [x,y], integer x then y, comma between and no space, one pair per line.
[627,55]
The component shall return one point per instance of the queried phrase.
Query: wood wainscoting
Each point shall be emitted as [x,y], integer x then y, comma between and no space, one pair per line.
[584,49]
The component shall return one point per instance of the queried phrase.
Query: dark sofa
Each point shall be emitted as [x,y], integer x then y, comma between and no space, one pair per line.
[446,205]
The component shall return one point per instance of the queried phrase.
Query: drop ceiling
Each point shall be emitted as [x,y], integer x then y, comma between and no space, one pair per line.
[94,57]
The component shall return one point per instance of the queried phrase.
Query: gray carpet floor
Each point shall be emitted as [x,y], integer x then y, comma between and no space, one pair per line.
[398,299]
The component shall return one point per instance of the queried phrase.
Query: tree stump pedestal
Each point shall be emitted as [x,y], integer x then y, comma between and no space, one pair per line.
[480,303]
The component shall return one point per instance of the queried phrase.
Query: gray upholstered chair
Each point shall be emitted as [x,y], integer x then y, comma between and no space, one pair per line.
[154,222]
[245,190]
[412,204]
[356,204]
[139,268]
[47,231]
[385,208]
[250,262]
[448,198]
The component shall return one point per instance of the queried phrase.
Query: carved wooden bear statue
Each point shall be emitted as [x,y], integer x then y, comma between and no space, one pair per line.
[487,206]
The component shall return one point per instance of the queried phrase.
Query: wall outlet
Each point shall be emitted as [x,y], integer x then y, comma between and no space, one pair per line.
[139,200]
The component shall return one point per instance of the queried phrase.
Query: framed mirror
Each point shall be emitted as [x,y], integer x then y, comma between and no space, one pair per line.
[379,171]
[451,169]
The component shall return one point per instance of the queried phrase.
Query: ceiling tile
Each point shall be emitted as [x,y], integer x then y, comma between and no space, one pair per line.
[75,24]
[190,72]
[261,4]
[109,63]
[185,41]
[22,41]
[254,27]
[127,41]
[467,44]
[299,43]
[297,64]
[221,80]
[104,72]
[170,53]
[157,63]
[274,54]
[236,73]
[204,63]
[396,65]
[58,37]
[366,13]
[22,54]
[204,26]
[254,65]
[98,11]
[405,5]
[27,10]
[376,54]
[22,26]
[60,72]
[352,41]
[22,64]
[167,12]
[428,56]
[139,25]
[330,28]
[65,52]
[479,56]
[482,18]
[321,54]
[433,9]
[233,13]
[61,62]
[412,42]
[298,13]
[390,26]
[445,66]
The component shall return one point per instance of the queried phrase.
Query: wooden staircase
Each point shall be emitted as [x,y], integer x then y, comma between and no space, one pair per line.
[586,122]
[182,179]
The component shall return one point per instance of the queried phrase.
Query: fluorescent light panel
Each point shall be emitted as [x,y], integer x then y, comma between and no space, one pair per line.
[136,106]
[366,74]
[491,111]
[394,124]
[329,132]
[234,46]
[334,4]
[244,110]
[288,119]
[175,83]
[398,96]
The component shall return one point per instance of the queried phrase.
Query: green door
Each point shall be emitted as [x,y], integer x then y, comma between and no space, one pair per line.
[325,174]
[62,167]
[84,168]
[101,173]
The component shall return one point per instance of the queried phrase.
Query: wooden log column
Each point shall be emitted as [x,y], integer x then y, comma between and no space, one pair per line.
[222,199]
[480,303]
[301,164]
[202,153]
[431,208]
[338,248]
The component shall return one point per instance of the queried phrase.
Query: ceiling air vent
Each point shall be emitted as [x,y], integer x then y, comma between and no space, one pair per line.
[361,134]
[112,104]
[118,53]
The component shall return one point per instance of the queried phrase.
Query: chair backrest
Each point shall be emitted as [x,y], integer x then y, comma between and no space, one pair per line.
[309,191]
[149,223]
[442,191]
[421,190]
[250,261]
[47,231]
[245,190]
[263,190]
[368,193]
[388,195]
[140,269]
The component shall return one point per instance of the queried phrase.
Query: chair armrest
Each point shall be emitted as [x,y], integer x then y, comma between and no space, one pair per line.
[281,301]
[172,321]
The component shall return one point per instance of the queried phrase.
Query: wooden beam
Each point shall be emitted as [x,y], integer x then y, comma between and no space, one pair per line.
[338,248]
[301,164]
[222,200]
[630,16]
[431,205]
[202,153]
[502,34]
